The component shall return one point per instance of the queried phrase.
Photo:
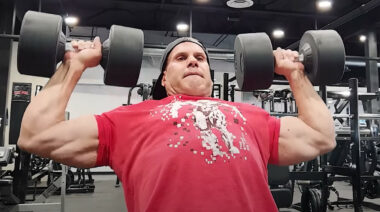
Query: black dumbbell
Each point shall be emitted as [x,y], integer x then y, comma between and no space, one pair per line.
[42,45]
[321,52]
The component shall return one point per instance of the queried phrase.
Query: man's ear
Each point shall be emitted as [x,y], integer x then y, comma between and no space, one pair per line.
[163,81]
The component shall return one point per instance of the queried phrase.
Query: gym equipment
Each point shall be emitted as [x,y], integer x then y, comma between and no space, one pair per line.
[37,164]
[372,189]
[42,45]
[311,200]
[323,55]
[6,155]
[321,51]
[21,95]
[254,66]
[280,185]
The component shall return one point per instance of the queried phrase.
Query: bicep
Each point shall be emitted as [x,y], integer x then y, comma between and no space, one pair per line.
[297,141]
[72,142]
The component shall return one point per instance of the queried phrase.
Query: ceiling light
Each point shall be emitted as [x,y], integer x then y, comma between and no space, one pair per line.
[324,5]
[202,1]
[182,27]
[239,3]
[362,38]
[278,33]
[71,21]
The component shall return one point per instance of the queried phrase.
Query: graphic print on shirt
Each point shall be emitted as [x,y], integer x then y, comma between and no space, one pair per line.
[209,118]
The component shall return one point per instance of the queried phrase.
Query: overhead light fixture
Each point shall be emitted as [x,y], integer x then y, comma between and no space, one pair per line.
[362,38]
[324,5]
[203,1]
[278,33]
[71,21]
[239,3]
[182,27]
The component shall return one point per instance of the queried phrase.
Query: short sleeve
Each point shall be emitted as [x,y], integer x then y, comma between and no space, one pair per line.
[105,129]
[274,133]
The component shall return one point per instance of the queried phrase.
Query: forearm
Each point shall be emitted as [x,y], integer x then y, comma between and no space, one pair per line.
[48,107]
[311,109]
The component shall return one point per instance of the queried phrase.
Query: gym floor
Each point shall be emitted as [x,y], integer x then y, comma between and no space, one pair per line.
[109,198]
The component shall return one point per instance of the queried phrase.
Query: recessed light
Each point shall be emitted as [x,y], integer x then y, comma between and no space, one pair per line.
[182,27]
[202,1]
[278,33]
[71,21]
[362,38]
[239,3]
[324,5]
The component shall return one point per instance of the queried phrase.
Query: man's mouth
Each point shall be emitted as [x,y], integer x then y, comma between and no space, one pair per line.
[192,73]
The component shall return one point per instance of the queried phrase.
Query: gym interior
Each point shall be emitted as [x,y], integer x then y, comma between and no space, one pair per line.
[345,72]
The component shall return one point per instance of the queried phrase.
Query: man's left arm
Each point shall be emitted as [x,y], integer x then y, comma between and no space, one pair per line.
[312,133]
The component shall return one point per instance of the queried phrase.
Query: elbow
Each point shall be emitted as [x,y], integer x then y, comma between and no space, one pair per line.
[26,139]
[23,144]
[26,143]
[328,140]
[329,145]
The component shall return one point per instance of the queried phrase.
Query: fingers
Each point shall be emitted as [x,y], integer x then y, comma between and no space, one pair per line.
[84,45]
[74,44]
[79,45]
[97,44]
[282,54]
[278,55]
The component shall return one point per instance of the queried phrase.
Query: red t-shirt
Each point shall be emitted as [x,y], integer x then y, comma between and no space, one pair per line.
[185,153]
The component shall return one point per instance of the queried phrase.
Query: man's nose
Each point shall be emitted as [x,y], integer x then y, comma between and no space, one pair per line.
[193,62]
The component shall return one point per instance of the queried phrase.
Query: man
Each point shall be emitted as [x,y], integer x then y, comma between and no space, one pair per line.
[183,151]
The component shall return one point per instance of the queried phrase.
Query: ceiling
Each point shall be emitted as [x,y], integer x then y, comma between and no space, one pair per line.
[221,23]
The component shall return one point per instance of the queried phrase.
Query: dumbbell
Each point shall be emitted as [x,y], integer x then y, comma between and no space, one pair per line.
[42,45]
[321,52]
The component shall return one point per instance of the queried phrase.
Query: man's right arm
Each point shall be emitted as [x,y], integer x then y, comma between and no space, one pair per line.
[44,130]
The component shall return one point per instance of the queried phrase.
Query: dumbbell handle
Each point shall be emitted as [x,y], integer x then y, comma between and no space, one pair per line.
[69,47]
[300,58]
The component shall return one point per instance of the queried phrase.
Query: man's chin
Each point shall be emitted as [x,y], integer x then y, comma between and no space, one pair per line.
[193,77]
[196,91]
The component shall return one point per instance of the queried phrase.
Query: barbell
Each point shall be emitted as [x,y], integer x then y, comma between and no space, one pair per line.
[42,45]
[321,52]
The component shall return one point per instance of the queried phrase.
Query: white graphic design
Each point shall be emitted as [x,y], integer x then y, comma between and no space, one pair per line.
[209,118]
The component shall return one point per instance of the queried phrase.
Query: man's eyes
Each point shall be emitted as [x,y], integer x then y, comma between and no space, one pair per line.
[181,58]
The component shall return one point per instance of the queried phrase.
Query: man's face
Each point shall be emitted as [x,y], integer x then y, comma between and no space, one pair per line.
[187,71]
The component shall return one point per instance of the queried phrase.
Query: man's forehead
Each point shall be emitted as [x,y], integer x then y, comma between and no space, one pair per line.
[186,47]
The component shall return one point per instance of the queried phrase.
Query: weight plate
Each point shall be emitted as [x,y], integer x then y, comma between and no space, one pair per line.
[38,44]
[122,56]
[310,200]
[254,61]
[324,55]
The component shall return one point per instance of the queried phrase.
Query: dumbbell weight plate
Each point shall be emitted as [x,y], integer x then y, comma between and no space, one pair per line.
[324,56]
[122,56]
[40,43]
[254,61]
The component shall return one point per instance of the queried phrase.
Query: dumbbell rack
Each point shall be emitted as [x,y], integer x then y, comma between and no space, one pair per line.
[355,173]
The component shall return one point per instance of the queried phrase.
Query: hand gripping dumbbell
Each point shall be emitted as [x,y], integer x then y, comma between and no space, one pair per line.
[321,52]
[42,45]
